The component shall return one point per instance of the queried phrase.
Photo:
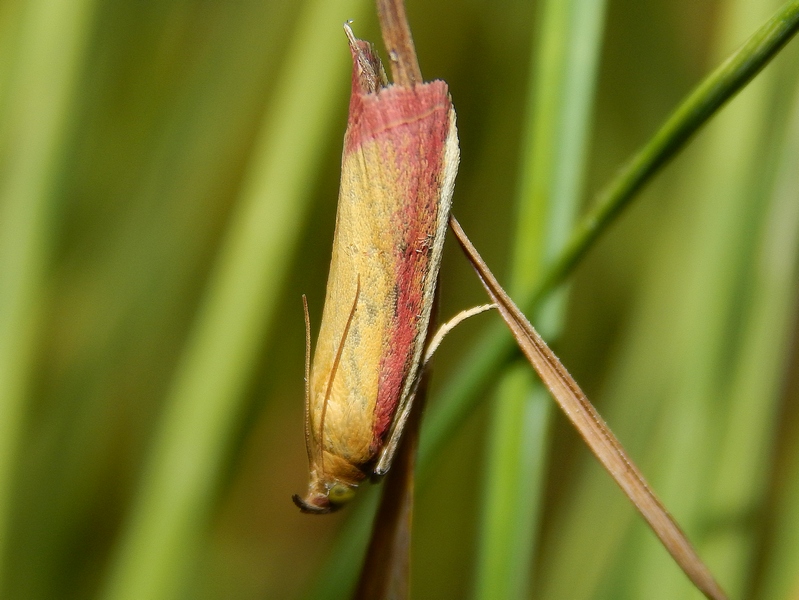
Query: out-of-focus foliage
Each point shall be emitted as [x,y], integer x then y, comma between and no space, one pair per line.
[168,168]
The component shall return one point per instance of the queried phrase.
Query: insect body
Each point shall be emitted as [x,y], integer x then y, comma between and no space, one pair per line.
[397,175]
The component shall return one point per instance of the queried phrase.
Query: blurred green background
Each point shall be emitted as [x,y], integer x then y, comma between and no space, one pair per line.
[168,178]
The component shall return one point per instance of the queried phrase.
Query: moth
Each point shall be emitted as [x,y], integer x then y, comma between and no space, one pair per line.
[398,171]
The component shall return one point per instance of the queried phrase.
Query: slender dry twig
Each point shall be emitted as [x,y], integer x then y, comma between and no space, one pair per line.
[592,428]
[386,571]
[446,328]
[399,42]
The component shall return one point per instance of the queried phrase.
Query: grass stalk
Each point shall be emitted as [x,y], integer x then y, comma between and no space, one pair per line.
[709,269]
[688,328]
[755,385]
[775,299]
[561,100]
[205,400]
[516,459]
[40,93]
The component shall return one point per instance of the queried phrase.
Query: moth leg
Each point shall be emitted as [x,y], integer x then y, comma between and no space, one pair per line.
[405,404]
[442,332]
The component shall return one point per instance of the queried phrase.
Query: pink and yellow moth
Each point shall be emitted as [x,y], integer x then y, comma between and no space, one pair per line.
[397,176]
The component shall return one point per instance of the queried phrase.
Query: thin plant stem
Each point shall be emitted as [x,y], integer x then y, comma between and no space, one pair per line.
[41,89]
[754,415]
[159,541]
[562,78]
[709,268]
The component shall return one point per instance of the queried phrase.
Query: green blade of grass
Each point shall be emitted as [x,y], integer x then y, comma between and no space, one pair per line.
[690,385]
[160,539]
[777,301]
[40,91]
[709,268]
[9,19]
[339,573]
[706,99]
[512,498]
[154,185]
[754,389]
[698,286]
[562,95]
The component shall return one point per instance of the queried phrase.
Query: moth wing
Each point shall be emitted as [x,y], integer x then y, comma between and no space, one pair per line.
[451,159]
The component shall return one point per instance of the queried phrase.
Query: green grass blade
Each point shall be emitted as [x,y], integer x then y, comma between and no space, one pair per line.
[711,269]
[202,407]
[706,99]
[513,493]
[677,398]
[39,90]
[754,388]
[339,574]
[777,297]
[563,79]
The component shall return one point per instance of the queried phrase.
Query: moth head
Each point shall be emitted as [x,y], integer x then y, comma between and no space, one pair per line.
[326,498]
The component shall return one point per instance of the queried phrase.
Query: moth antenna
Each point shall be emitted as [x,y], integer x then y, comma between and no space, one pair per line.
[308,440]
[333,370]
[449,326]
